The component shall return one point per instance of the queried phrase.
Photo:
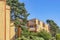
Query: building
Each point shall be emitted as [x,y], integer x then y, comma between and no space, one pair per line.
[37,25]
[7,28]
[8,31]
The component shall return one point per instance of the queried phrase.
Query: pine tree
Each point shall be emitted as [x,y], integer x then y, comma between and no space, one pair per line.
[18,11]
[53,27]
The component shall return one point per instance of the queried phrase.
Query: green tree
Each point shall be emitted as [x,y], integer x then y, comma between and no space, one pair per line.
[18,11]
[27,35]
[44,35]
[53,27]
[58,30]
[57,36]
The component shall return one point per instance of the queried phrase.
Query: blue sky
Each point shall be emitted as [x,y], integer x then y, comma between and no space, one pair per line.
[43,9]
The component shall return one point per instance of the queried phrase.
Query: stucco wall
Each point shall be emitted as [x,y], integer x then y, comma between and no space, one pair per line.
[9,30]
[7,22]
[1,20]
[47,27]
[12,31]
[40,26]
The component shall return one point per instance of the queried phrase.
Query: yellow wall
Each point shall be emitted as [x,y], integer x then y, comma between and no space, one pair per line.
[36,21]
[47,27]
[40,26]
[12,31]
[10,28]
[7,22]
[1,20]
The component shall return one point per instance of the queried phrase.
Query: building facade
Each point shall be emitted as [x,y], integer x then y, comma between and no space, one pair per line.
[7,28]
[37,25]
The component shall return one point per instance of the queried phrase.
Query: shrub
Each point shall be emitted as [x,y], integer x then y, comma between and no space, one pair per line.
[44,35]
[33,38]
[37,38]
[57,36]
[53,38]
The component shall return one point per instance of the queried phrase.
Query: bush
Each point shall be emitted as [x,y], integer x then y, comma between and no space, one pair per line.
[22,38]
[27,35]
[57,36]
[44,35]
[33,38]
[37,38]
[53,38]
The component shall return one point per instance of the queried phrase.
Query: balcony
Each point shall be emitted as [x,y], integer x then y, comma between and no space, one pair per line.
[32,29]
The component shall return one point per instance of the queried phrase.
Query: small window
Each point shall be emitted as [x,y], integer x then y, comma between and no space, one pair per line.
[31,26]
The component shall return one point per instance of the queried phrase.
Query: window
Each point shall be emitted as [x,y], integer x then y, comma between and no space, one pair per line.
[31,26]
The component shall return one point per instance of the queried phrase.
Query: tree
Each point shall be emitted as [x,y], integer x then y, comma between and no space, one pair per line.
[27,35]
[57,36]
[53,27]
[18,11]
[44,35]
[58,30]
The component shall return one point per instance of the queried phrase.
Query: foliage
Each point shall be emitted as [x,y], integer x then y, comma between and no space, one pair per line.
[18,11]
[33,38]
[27,35]
[44,35]
[57,36]
[53,27]
[58,30]
[53,38]
[19,14]
[37,38]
